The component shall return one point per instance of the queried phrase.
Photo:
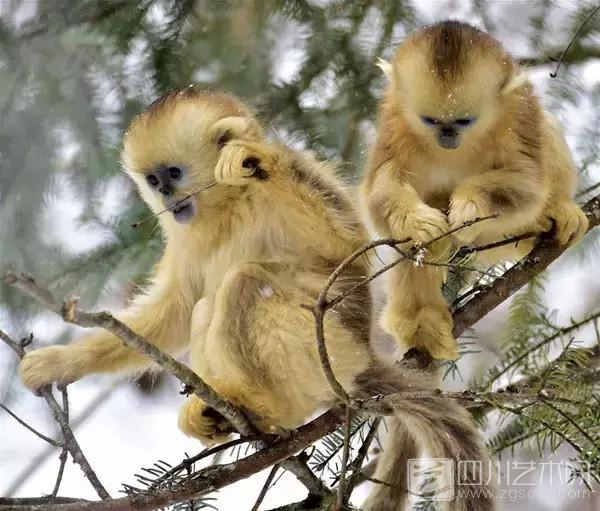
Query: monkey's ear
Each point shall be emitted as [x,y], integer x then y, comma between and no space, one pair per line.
[234,127]
[513,82]
[386,67]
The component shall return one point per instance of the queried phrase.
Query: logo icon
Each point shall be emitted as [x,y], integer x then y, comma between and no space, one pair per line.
[430,479]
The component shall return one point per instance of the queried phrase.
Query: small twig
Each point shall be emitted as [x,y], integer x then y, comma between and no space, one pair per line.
[12,502]
[319,313]
[64,453]
[363,451]
[266,487]
[135,225]
[205,453]
[30,428]
[465,251]
[573,39]
[15,346]
[341,497]
[589,189]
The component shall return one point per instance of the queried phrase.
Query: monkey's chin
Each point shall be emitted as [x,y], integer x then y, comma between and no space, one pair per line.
[185,212]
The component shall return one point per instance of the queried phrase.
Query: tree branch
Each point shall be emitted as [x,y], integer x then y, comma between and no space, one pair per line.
[71,314]
[69,441]
[211,478]
[215,477]
[546,252]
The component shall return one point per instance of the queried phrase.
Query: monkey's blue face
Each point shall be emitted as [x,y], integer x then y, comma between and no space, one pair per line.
[168,181]
[448,131]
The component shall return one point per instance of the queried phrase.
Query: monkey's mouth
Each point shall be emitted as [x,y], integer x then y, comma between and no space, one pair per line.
[184,211]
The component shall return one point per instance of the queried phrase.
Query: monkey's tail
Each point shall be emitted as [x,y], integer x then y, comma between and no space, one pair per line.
[457,467]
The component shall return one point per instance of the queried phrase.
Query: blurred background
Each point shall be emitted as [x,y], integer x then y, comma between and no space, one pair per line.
[72,75]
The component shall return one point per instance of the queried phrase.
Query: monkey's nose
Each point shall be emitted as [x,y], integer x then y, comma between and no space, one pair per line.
[448,138]
[166,190]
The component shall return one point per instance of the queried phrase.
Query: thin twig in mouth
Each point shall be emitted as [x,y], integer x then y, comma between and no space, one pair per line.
[174,206]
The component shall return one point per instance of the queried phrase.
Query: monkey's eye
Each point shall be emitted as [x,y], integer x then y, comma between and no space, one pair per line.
[174,172]
[152,180]
[466,121]
[429,121]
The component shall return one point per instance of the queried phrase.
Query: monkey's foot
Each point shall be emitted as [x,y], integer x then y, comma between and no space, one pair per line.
[200,421]
[428,329]
[570,222]
[240,163]
[48,365]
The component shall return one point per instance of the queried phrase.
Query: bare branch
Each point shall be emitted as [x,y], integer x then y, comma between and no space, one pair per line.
[64,453]
[573,39]
[30,428]
[356,465]
[69,441]
[341,497]
[265,488]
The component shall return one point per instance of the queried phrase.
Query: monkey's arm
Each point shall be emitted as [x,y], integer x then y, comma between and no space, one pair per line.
[515,192]
[161,315]
[397,210]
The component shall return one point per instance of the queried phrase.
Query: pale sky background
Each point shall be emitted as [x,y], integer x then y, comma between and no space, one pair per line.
[128,430]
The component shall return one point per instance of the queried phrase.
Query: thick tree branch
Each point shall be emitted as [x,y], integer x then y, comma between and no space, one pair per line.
[211,478]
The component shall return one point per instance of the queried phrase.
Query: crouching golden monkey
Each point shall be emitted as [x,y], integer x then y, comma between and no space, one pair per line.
[461,130]
[239,261]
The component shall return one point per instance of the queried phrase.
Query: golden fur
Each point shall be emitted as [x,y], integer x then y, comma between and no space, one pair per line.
[255,251]
[231,283]
[512,161]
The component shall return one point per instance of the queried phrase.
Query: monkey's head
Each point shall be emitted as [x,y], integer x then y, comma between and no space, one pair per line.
[449,81]
[171,149]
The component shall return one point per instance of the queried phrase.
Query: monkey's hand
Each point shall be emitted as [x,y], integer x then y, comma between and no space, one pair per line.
[48,365]
[422,224]
[465,208]
[240,163]
[570,222]
[200,421]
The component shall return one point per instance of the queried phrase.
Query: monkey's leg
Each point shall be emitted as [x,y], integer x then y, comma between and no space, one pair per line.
[103,352]
[161,315]
[196,418]
[259,349]
[417,314]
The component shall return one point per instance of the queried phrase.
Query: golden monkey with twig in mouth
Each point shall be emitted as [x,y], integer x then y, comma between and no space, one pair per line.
[461,131]
[240,259]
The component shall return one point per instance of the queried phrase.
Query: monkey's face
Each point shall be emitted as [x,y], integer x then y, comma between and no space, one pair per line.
[170,151]
[171,182]
[446,129]
[448,110]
